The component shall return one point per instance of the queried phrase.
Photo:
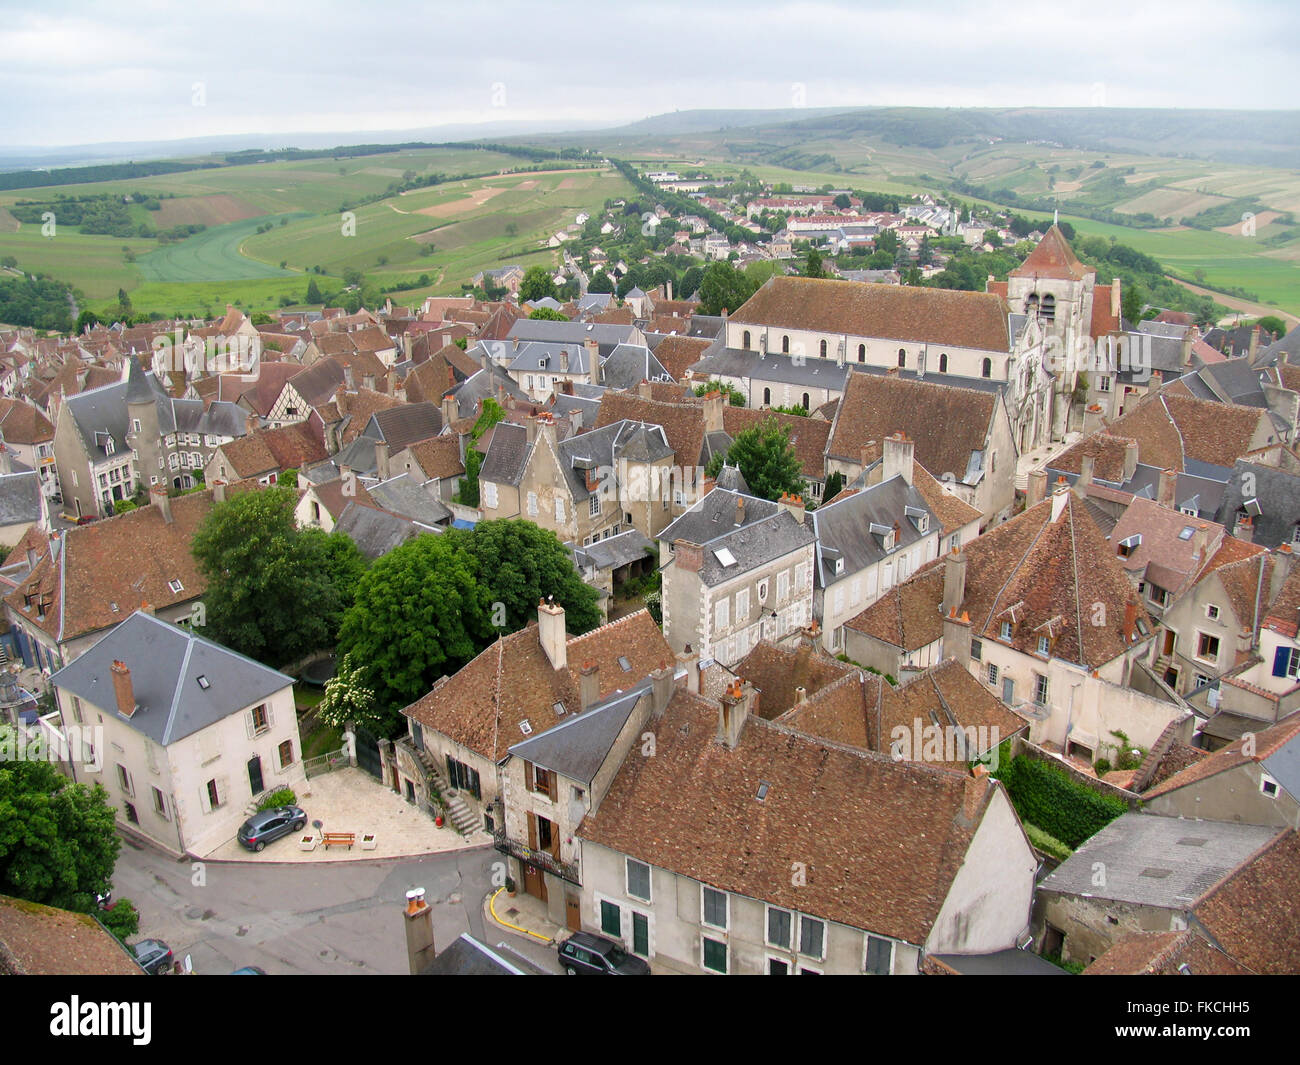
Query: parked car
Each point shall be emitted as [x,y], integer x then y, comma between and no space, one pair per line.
[267,825]
[591,955]
[154,956]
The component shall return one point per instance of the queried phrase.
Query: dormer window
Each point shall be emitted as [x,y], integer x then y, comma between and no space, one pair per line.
[1004,630]
[1044,645]
[839,565]
[1129,544]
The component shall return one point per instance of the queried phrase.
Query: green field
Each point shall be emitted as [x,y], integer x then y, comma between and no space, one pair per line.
[213,255]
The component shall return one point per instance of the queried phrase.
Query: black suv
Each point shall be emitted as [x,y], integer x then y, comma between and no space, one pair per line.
[593,955]
[154,956]
[266,825]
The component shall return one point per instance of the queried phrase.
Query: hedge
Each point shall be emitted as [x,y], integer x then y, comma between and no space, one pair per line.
[1051,799]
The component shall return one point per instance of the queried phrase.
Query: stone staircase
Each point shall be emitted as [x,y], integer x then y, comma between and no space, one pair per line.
[465,820]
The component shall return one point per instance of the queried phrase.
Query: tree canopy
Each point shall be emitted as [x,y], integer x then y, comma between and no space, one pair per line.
[724,287]
[537,284]
[766,459]
[58,844]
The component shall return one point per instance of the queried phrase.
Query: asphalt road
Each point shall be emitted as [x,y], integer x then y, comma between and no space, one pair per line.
[296,919]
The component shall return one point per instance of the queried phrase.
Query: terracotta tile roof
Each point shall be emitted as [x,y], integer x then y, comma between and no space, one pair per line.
[22,423]
[808,435]
[1251,914]
[678,353]
[1284,612]
[614,316]
[372,339]
[1103,322]
[777,672]
[946,423]
[1170,429]
[896,312]
[438,458]
[1163,954]
[335,344]
[1053,257]
[907,616]
[359,407]
[38,940]
[683,423]
[288,448]
[1266,741]
[952,512]
[335,501]
[431,380]
[1246,583]
[694,809]
[512,681]
[1179,757]
[33,539]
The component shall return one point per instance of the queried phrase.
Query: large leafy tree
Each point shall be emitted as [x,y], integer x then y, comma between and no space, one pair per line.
[600,282]
[272,591]
[57,840]
[723,286]
[537,284]
[520,563]
[419,613]
[766,458]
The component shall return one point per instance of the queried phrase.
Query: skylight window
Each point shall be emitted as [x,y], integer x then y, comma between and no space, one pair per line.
[624,664]
[724,555]
[1186,534]
[525,727]
[204,683]
[175,586]
[558,708]
[763,785]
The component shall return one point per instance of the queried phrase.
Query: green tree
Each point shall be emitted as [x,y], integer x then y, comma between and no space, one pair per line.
[690,282]
[813,264]
[600,282]
[347,700]
[537,284]
[58,842]
[887,240]
[288,479]
[419,613]
[766,458]
[313,292]
[123,920]
[1273,324]
[724,287]
[1132,301]
[271,593]
[547,314]
[353,277]
[734,396]
[520,563]
[87,319]
[833,484]
[842,201]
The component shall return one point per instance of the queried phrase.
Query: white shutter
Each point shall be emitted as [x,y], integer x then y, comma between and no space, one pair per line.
[249,727]
[270,717]
[203,798]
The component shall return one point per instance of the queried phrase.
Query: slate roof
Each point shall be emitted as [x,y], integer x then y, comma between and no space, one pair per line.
[507,456]
[628,365]
[1166,862]
[694,810]
[767,532]
[166,663]
[405,424]
[20,498]
[615,551]
[376,532]
[1277,495]
[607,337]
[578,746]
[852,529]
[897,312]
[466,956]
[402,495]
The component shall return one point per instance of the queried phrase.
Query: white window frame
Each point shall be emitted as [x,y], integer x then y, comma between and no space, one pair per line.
[1212,611]
[593,506]
[627,881]
[532,504]
[866,949]
[722,614]
[726,950]
[788,944]
[799,941]
[490,495]
[559,508]
[726,908]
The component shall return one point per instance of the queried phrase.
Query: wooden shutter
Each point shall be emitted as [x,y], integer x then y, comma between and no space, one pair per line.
[551,786]
[532,832]
[555,840]
[1281,660]
[528,776]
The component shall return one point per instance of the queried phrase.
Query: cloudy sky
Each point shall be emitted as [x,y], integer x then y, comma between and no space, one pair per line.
[81,73]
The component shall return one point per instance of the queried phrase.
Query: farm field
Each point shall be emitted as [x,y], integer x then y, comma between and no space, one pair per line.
[213,255]
[95,264]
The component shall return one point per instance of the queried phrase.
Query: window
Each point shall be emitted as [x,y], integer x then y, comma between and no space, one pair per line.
[745,340]
[862,353]
[543,781]
[722,614]
[778,927]
[532,504]
[559,508]
[880,956]
[261,721]
[782,585]
[124,780]
[1267,785]
[640,934]
[715,956]
[714,907]
[489,495]
[1286,662]
[805,401]
[611,919]
[1103,384]
[1207,647]
[762,590]
[902,357]
[593,506]
[1044,645]
[135,424]
[993,674]
[822,349]
[1004,630]
[767,397]
[176,586]
[943,362]
[214,795]
[812,937]
[285,752]
[976,650]
[638,880]
[785,345]
[159,803]
[1212,612]
[1040,690]
[987,369]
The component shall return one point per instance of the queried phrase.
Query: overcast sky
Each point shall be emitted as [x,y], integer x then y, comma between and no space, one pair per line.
[77,73]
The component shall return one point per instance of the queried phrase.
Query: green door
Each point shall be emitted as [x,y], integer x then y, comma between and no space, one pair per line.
[640,934]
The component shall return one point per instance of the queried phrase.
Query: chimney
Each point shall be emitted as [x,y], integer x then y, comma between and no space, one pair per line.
[5,466]
[1092,419]
[1130,460]
[661,688]
[1166,488]
[123,689]
[1245,529]
[733,708]
[1283,561]
[740,510]
[1200,540]
[368,382]
[954,580]
[381,459]
[644,390]
[1036,490]
[1130,620]
[589,685]
[1060,496]
[531,427]
[450,409]
[550,630]
[348,382]
[1115,302]
[800,695]
[1185,355]
[218,491]
[688,556]
[714,403]
[690,661]
[957,636]
[593,360]
[159,498]
[899,453]
[419,931]
[251,424]
[793,505]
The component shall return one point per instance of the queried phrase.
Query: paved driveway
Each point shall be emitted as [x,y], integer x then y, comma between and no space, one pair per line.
[345,917]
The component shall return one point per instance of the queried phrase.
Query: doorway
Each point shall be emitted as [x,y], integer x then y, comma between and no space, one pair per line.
[534,882]
[255,775]
[573,913]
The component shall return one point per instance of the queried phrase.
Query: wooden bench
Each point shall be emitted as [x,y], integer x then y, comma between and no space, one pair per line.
[339,839]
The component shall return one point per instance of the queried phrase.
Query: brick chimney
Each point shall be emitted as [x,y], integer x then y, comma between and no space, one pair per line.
[689,660]
[419,931]
[159,498]
[550,631]
[899,454]
[740,510]
[1166,488]
[954,580]
[688,556]
[1130,620]
[733,708]
[793,505]
[123,690]
[589,685]
[957,636]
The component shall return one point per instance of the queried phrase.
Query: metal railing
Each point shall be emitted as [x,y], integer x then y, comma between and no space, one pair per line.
[326,763]
[539,859]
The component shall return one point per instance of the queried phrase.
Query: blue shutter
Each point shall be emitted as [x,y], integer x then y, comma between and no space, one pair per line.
[1281,659]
